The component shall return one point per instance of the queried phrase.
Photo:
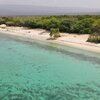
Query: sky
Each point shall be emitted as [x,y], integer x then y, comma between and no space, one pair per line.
[58,3]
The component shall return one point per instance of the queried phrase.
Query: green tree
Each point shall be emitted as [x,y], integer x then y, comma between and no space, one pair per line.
[96,27]
[2,21]
[54,32]
[65,26]
[83,26]
[31,23]
[10,23]
[52,23]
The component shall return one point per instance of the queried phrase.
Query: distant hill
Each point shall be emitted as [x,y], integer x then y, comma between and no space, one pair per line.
[9,10]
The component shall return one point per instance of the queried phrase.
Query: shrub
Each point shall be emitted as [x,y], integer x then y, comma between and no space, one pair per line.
[54,32]
[10,23]
[83,26]
[85,31]
[31,23]
[2,21]
[77,27]
[65,26]
[96,27]
[52,23]
[94,38]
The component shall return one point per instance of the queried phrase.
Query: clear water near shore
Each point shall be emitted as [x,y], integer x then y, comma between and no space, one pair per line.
[37,71]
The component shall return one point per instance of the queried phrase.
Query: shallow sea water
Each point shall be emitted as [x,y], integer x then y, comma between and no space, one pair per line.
[42,71]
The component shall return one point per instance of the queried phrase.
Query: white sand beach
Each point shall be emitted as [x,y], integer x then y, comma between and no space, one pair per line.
[66,39]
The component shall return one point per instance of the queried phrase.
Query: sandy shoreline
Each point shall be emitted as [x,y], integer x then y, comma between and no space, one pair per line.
[73,40]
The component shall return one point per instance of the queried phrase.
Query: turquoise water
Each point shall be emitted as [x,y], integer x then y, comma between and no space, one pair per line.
[43,71]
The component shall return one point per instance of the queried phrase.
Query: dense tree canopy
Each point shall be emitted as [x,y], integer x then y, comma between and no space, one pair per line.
[96,26]
[83,24]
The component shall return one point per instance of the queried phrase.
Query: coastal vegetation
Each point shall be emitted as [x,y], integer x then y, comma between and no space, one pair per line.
[54,32]
[94,38]
[80,24]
